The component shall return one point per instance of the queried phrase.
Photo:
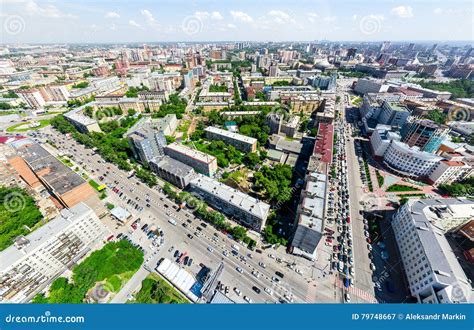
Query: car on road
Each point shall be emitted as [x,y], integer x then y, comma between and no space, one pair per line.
[269,291]
[255,273]
[210,249]
[262,264]
[190,262]
[190,236]
[171,249]
[185,261]
[240,270]
[237,292]
[280,274]
[275,279]
[247,299]
[256,289]
[347,297]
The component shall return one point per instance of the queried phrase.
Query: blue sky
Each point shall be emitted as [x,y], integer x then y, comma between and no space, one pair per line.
[59,21]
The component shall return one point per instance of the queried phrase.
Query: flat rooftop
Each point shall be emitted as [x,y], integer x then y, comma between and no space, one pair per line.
[237,198]
[172,165]
[12,254]
[193,153]
[231,135]
[57,175]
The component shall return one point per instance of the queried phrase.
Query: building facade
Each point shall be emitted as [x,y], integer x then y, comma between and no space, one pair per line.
[433,272]
[242,208]
[37,259]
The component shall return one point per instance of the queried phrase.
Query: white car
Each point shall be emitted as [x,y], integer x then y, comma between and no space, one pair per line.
[247,299]
[210,249]
[271,256]
[298,271]
[256,274]
[269,291]
[240,270]
[237,292]
[261,264]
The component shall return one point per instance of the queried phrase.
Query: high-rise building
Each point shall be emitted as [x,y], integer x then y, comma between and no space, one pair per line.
[425,134]
[432,270]
[393,114]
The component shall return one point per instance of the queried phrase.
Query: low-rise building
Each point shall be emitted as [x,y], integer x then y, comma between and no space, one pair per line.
[239,141]
[38,167]
[34,261]
[244,209]
[173,171]
[82,123]
[433,272]
[448,171]
[198,160]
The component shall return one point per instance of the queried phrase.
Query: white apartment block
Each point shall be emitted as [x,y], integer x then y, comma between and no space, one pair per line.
[32,97]
[448,171]
[433,272]
[410,161]
[36,260]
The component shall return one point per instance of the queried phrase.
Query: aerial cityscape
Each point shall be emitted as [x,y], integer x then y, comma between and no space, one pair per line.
[236,153]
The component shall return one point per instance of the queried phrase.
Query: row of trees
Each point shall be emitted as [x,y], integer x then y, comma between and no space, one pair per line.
[18,212]
[464,188]
[175,105]
[459,88]
[274,183]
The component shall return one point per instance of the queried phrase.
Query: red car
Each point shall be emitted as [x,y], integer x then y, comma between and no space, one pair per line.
[348,219]
[328,240]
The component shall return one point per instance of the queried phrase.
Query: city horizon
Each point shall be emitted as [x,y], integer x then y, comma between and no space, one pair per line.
[22,21]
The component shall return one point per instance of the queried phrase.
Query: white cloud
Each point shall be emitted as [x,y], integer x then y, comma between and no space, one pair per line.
[133,23]
[402,11]
[46,10]
[330,19]
[203,15]
[280,16]
[215,15]
[354,17]
[231,26]
[241,16]
[313,17]
[149,19]
[438,11]
[112,14]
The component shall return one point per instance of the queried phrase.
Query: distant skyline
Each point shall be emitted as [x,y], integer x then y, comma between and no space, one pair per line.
[119,21]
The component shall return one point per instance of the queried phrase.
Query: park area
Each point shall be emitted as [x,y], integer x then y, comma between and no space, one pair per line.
[156,290]
[98,277]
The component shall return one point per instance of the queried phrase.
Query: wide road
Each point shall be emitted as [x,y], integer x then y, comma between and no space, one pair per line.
[294,286]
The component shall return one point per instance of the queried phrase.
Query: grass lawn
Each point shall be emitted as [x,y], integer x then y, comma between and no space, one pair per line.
[156,290]
[113,265]
[8,112]
[380,178]
[18,127]
[400,188]
[94,184]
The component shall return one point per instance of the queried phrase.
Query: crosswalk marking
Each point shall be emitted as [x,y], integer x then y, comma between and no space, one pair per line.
[358,292]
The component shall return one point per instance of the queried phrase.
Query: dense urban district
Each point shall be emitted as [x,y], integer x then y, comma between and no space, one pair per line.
[237,172]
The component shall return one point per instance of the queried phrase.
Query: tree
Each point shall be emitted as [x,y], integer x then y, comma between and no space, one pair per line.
[251,159]
[437,116]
